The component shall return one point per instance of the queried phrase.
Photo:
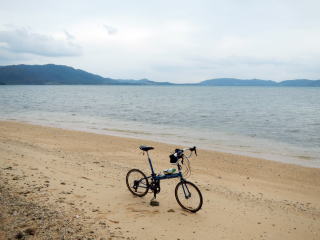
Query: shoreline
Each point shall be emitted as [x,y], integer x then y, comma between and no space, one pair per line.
[84,174]
[304,161]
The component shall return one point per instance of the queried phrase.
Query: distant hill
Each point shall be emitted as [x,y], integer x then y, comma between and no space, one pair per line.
[237,82]
[258,82]
[51,74]
[300,83]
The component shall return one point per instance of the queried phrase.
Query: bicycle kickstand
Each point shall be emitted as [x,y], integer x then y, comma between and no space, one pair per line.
[153,201]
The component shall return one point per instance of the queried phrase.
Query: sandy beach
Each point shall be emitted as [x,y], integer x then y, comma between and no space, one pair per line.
[62,184]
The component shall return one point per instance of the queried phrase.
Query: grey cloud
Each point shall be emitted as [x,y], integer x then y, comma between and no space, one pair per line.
[188,41]
[24,41]
[7,57]
[111,30]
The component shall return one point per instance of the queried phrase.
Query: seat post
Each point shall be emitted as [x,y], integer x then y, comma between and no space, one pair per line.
[150,162]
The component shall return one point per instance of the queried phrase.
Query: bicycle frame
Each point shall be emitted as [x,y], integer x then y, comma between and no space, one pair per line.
[161,177]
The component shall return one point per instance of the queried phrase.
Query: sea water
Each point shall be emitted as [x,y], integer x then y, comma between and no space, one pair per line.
[277,123]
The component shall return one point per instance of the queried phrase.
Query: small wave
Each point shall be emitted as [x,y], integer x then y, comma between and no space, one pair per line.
[126,131]
[305,157]
[166,134]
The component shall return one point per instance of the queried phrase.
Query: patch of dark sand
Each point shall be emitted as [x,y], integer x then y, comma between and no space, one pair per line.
[21,218]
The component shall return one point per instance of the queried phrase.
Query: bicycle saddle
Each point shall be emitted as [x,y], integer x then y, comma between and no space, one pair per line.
[145,148]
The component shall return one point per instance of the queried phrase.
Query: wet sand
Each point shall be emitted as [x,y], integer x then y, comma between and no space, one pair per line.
[61,184]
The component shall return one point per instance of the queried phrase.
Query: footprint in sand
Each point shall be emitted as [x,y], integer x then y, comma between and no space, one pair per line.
[141,210]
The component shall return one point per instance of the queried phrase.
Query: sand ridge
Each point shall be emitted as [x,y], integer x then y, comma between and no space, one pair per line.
[81,176]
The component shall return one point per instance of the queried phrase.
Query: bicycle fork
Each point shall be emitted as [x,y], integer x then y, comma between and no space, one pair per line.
[186,191]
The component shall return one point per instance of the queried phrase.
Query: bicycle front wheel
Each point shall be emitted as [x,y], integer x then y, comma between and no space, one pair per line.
[188,196]
[137,182]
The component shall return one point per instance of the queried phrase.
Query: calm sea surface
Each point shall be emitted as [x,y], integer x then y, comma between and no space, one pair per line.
[281,124]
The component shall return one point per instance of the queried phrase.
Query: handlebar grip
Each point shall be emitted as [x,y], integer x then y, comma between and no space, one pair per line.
[194,149]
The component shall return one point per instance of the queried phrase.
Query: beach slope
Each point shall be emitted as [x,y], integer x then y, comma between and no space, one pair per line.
[61,184]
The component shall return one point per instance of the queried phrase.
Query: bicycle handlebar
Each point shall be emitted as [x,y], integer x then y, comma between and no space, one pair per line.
[193,149]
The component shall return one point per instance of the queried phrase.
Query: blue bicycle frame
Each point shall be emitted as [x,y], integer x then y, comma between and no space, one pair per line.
[161,177]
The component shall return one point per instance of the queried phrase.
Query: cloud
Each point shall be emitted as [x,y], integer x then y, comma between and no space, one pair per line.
[111,30]
[68,35]
[7,57]
[21,41]
[188,41]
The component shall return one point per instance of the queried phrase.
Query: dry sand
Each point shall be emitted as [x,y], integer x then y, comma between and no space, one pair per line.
[60,184]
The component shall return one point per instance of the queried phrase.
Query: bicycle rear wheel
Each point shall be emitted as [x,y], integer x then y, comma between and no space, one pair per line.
[137,182]
[188,196]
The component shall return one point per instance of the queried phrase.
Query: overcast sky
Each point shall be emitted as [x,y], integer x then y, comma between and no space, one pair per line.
[177,41]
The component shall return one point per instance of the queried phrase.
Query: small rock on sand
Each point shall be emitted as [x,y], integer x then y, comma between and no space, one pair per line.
[30,231]
[113,221]
[19,235]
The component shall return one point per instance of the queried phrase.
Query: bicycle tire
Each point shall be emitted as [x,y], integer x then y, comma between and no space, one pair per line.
[195,191]
[143,189]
